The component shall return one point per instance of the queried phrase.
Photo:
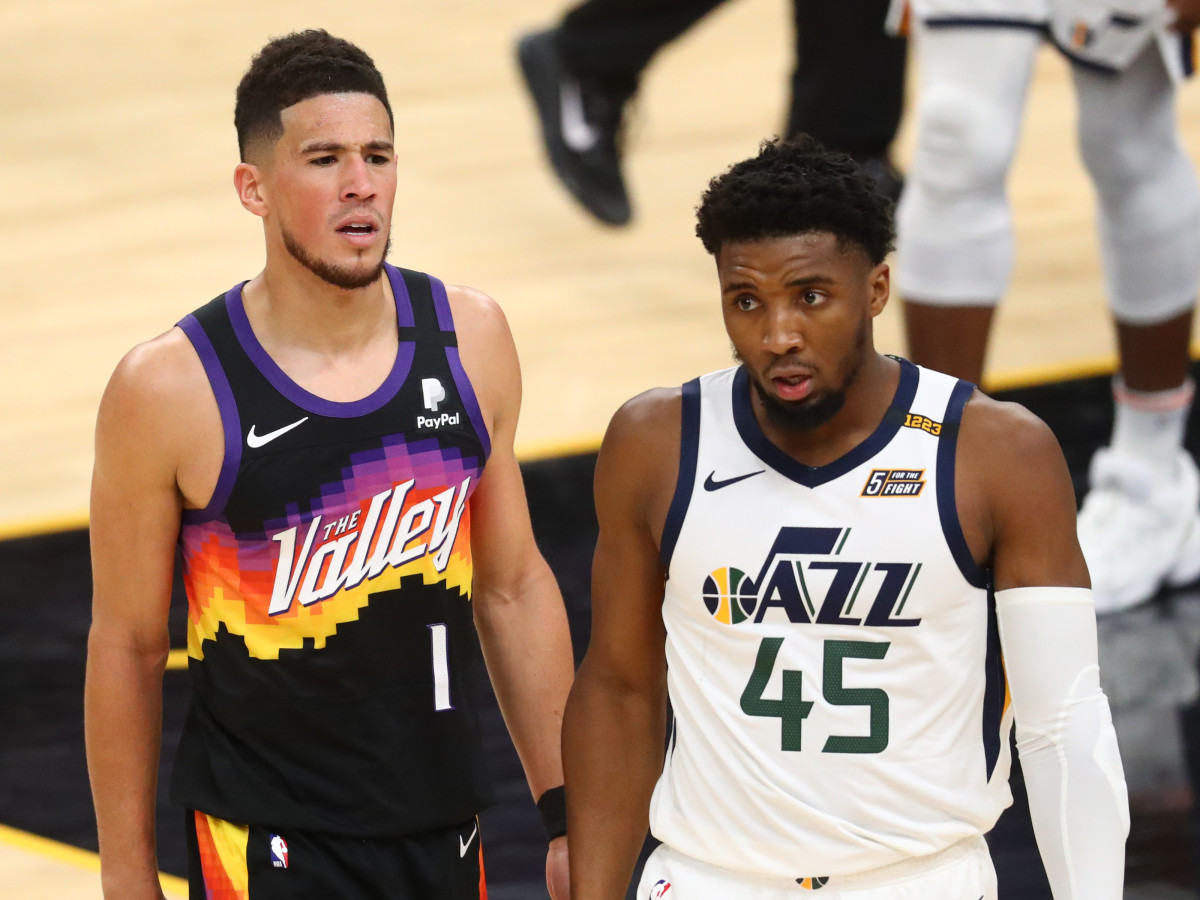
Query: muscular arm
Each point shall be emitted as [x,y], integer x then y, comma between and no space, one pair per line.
[135,513]
[519,611]
[616,716]
[1077,795]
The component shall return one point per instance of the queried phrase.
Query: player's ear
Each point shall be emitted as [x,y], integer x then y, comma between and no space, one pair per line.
[880,280]
[247,180]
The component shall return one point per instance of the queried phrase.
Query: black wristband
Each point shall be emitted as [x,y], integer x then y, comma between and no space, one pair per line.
[553,809]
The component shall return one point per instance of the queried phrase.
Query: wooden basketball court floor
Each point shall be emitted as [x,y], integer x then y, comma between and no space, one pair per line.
[118,217]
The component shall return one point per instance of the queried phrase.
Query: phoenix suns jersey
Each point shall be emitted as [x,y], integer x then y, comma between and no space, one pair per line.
[329,582]
[833,658]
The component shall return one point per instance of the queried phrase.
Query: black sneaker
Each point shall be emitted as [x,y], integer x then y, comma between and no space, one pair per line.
[889,181]
[580,127]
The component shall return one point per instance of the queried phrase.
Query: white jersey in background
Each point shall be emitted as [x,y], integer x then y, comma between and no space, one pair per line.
[833,660]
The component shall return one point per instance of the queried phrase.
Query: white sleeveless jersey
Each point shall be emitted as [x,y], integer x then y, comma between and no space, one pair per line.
[833,659]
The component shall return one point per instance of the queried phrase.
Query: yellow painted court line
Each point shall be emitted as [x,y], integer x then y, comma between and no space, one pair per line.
[44,525]
[539,450]
[74,856]
[534,451]
[1033,376]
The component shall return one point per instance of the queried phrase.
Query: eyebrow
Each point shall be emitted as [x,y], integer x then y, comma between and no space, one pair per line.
[333,146]
[795,282]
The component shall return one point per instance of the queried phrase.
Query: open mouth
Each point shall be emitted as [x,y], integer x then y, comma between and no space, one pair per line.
[792,387]
[357,229]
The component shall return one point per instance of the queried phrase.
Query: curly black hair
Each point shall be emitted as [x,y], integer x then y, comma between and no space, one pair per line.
[293,68]
[796,186]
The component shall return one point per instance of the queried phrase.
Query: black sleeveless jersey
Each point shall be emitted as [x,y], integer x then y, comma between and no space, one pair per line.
[329,587]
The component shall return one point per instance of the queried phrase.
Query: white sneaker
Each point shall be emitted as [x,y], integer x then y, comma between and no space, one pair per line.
[1139,530]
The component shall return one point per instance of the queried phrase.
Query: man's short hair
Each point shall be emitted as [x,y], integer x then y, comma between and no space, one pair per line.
[796,187]
[296,67]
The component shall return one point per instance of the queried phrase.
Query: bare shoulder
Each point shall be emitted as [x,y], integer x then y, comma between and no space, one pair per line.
[157,374]
[1015,496]
[998,434]
[652,418]
[488,355]
[159,419]
[476,315]
[639,459]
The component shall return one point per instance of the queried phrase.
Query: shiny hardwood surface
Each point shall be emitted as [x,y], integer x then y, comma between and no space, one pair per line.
[119,215]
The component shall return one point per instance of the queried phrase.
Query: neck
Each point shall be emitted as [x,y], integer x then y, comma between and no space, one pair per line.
[867,400]
[288,305]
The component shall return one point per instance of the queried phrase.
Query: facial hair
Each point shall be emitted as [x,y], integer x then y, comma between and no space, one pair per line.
[339,276]
[805,415]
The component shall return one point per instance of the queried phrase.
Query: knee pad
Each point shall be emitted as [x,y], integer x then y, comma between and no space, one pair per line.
[955,242]
[1149,224]
[1152,279]
[1148,196]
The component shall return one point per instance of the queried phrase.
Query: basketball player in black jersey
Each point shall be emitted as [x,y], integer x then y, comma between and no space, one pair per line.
[330,445]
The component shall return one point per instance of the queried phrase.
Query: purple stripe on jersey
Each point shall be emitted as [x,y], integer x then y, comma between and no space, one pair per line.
[470,403]
[446,323]
[404,312]
[230,423]
[333,409]
[442,304]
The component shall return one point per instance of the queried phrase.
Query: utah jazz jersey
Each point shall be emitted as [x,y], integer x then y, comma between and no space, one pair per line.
[833,659]
[329,585]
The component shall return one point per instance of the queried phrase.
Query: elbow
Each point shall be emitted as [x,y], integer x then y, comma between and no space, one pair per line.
[109,646]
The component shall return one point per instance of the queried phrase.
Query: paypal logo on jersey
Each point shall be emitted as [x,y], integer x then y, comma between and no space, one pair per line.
[804,579]
[432,393]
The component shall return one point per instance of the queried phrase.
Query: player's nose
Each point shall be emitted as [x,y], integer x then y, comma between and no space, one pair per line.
[357,183]
[783,330]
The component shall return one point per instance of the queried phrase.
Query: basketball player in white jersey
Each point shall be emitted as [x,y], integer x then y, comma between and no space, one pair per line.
[1140,523]
[819,556]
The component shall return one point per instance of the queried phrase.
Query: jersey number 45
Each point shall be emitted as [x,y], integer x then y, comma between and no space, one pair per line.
[792,709]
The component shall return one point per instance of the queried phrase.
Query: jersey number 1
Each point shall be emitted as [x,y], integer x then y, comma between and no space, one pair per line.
[791,709]
[441,668]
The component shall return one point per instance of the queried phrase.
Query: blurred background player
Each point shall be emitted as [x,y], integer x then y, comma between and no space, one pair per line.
[847,86]
[1139,525]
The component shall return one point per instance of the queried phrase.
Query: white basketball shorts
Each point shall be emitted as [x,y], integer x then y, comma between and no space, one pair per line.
[962,871]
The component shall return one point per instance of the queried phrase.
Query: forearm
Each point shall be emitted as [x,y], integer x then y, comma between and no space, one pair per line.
[613,739]
[1077,794]
[527,647]
[123,726]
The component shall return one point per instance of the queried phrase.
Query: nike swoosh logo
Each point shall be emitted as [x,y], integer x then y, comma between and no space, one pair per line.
[463,845]
[577,133]
[254,441]
[711,484]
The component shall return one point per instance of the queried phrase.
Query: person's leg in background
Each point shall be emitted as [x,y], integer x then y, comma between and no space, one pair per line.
[848,84]
[847,87]
[1140,525]
[954,225]
[581,75]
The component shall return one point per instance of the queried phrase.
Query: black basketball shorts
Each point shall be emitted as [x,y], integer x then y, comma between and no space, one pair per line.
[248,862]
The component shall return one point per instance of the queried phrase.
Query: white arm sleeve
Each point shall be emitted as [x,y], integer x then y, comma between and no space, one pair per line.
[1077,796]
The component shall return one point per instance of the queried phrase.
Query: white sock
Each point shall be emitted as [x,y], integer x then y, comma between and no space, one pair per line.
[1150,425]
